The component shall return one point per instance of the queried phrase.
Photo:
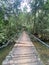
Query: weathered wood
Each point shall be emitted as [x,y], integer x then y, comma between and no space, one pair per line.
[23,53]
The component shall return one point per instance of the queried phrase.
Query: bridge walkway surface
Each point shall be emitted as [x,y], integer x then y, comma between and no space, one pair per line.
[23,53]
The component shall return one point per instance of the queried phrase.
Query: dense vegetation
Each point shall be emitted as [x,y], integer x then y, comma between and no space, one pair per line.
[13,19]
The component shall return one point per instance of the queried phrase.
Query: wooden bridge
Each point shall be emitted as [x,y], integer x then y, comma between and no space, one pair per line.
[23,53]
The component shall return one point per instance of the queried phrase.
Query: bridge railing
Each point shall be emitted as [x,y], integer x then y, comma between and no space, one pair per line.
[15,37]
[34,38]
[42,48]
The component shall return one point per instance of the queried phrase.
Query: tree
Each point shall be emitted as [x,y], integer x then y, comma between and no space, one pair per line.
[8,27]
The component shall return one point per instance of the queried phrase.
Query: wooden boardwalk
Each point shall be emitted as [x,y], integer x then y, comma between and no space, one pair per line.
[23,53]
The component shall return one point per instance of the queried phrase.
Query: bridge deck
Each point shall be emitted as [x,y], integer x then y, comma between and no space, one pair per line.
[23,53]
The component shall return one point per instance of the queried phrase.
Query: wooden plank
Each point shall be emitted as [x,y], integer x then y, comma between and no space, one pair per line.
[23,53]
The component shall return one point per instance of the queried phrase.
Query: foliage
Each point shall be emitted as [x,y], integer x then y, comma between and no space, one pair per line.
[13,20]
[39,9]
